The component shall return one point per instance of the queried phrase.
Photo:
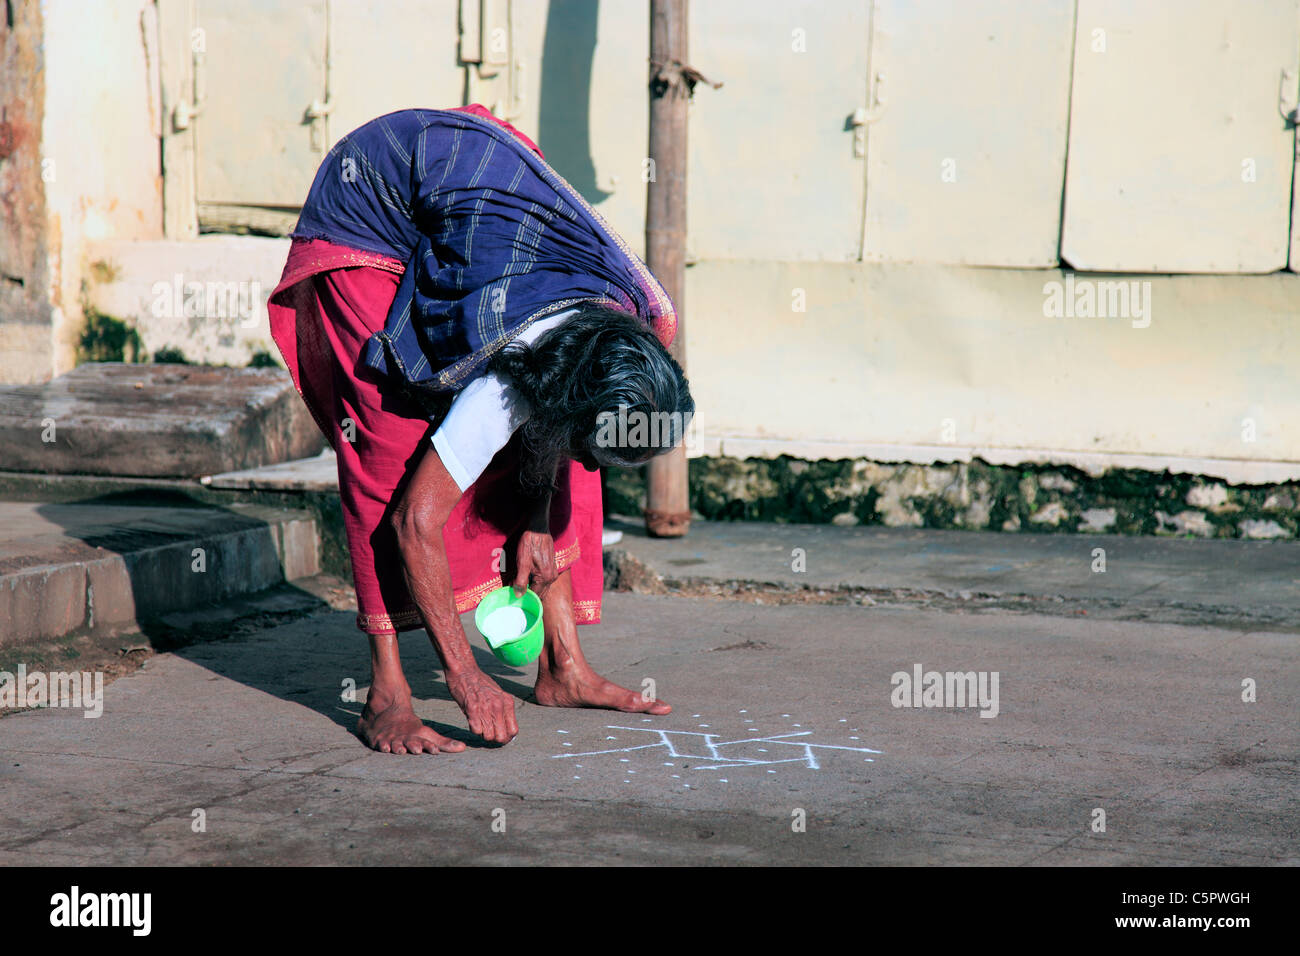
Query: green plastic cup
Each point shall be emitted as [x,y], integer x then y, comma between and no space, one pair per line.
[525,648]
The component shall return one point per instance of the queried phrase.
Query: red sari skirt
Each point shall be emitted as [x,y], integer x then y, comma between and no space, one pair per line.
[329,302]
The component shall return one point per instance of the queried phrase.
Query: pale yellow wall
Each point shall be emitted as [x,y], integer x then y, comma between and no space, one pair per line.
[916,362]
[966,148]
[1180,158]
[99,142]
[929,362]
[577,85]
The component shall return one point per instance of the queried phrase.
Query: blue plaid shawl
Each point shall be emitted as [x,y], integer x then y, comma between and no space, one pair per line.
[492,237]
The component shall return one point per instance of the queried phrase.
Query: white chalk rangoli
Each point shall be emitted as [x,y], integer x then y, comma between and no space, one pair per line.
[692,745]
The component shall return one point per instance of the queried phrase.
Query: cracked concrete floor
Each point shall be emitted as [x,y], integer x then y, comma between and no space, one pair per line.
[1144,721]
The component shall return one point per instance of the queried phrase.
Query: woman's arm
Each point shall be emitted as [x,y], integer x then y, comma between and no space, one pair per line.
[418,520]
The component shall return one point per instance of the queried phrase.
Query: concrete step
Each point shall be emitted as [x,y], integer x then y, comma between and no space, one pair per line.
[173,421]
[103,566]
[319,473]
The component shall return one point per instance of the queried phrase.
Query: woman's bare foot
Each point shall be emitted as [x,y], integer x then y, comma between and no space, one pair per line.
[575,686]
[389,724]
[564,678]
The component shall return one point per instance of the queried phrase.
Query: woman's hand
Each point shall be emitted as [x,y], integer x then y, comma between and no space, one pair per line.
[535,560]
[535,555]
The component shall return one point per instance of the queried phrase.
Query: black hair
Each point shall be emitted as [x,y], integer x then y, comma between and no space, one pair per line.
[584,381]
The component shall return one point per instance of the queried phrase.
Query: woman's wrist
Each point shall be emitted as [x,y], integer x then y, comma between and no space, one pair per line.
[539,517]
[455,653]
[539,506]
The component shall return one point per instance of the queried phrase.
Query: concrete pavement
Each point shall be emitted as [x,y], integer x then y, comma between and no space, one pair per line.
[65,526]
[250,736]
[1227,582]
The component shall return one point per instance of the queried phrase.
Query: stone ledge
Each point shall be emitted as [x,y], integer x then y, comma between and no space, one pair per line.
[155,421]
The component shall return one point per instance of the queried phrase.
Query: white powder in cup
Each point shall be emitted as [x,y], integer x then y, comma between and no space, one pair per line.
[504,625]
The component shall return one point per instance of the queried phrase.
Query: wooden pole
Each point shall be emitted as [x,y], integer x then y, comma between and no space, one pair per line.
[668,509]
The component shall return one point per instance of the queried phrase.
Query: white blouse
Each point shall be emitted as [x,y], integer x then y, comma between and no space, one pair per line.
[484,416]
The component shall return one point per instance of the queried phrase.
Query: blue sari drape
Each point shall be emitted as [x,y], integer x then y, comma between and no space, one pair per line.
[492,237]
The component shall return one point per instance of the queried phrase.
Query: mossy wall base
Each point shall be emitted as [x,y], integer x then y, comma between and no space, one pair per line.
[976,496]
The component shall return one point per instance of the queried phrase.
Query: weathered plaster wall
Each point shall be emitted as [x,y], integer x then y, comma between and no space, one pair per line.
[80,96]
[25,269]
[203,298]
[99,143]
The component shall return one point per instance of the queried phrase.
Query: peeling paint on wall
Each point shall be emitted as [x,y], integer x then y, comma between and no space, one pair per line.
[25,309]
